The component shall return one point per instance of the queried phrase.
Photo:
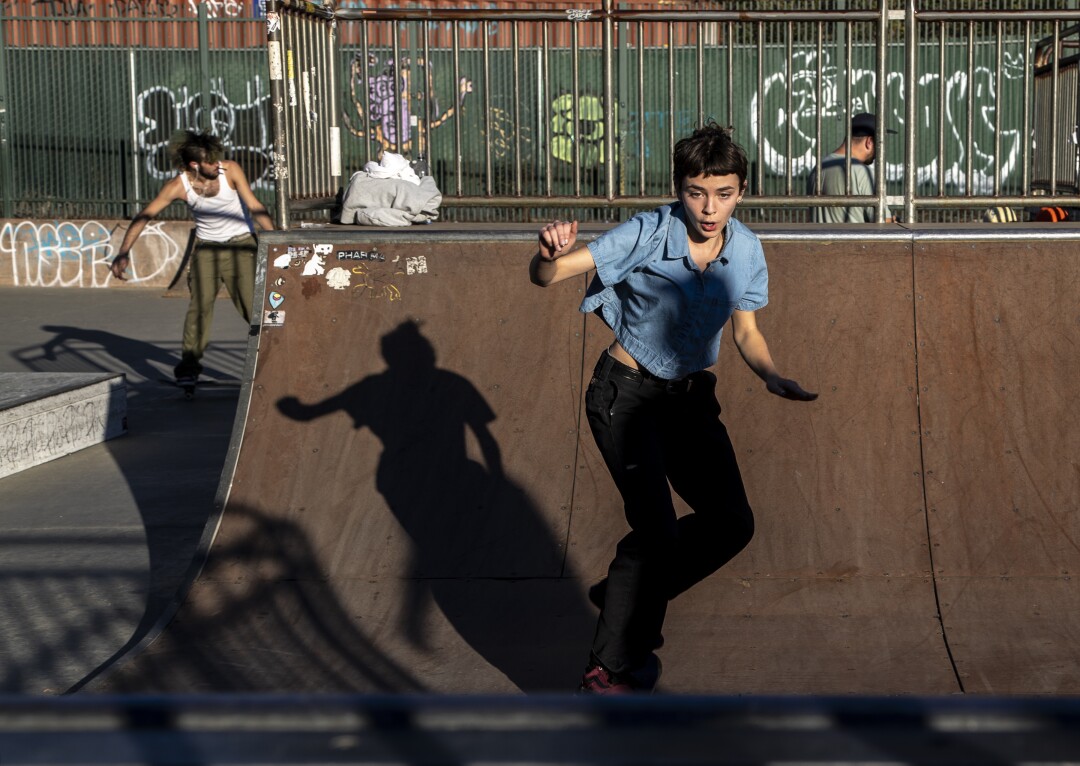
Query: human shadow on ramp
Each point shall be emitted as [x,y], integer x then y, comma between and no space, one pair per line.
[478,547]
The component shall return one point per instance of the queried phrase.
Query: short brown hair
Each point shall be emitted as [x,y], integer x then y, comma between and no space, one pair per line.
[708,151]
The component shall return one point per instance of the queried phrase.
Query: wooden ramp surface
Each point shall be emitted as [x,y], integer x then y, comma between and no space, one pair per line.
[417,504]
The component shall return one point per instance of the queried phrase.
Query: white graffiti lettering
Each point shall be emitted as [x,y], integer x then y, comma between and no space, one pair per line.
[162,111]
[78,254]
[959,94]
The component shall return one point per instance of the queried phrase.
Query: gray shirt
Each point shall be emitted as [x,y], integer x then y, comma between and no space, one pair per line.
[833,169]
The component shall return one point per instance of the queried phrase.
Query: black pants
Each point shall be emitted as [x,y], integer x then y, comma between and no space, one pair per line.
[651,432]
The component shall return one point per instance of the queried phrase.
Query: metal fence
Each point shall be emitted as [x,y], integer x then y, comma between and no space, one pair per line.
[527,112]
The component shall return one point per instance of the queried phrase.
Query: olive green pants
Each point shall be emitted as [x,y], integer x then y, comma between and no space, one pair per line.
[230,263]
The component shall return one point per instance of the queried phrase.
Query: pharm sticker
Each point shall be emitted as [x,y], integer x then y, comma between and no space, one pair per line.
[276,299]
[274,317]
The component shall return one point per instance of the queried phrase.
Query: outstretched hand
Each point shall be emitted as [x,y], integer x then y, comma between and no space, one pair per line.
[557,238]
[119,266]
[789,389]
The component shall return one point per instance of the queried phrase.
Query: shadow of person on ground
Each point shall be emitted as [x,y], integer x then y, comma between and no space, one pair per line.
[259,617]
[82,349]
[168,466]
[480,549]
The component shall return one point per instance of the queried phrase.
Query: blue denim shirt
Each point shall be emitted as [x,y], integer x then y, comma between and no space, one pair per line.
[666,313]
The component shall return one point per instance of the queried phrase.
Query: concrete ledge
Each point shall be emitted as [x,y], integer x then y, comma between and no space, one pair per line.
[44,416]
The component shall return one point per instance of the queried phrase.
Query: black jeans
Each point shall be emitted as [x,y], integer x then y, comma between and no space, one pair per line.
[651,432]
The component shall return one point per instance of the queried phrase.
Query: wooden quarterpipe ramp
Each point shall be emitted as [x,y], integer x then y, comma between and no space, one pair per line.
[412,503]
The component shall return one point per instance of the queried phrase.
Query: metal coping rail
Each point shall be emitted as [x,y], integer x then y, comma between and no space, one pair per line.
[311,193]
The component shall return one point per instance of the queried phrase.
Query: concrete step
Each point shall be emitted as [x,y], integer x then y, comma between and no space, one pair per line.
[46,415]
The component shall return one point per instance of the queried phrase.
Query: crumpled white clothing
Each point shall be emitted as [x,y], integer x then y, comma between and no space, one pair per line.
[392,166]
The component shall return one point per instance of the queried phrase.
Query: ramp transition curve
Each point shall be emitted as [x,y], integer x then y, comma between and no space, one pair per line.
[413,503]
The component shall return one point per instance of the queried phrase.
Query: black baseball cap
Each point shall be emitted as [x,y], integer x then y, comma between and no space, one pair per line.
[865,124]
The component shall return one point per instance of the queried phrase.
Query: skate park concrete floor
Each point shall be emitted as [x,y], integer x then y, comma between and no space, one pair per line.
[78,534]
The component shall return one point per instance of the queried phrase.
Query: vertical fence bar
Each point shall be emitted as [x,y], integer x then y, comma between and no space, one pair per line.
[136,176]
[969,123]
[998,69]
[759,175]
[671,94]
[789,53]
[848,112]
[333,101]
[277,112]
[730,30]
[489,179]
[429,93]
[609,101]
[546,118]
[820,96]
[1054,108]
[575,68]
[641,105]
[362,97]
[1029,75]
[941,109]
[516,90]
[300,137]
[458,161]
[911,90]
[399,86]
[7,177]
[882,109]
[699,29]
[206,114]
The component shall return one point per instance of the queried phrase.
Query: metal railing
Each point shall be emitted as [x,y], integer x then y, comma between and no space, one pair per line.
[958,86]
[523,113]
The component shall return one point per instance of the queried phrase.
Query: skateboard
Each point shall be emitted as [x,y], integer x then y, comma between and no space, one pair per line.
[188,387]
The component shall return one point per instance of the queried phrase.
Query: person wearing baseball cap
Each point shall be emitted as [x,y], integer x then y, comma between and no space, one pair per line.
[834,179]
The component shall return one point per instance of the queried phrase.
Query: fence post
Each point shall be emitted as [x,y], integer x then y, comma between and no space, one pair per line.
[134,90]
[206,121]
[881,109]
[277,114]
[609,103]
[7,178]
[911,38]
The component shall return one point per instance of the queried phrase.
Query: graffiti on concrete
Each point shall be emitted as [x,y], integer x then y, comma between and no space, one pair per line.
[78,253]
[162,111]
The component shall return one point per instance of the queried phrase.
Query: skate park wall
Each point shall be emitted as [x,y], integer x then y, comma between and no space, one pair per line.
[56,253]
[413,501]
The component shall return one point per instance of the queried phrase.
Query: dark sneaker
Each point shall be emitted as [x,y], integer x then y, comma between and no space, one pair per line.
[600,680]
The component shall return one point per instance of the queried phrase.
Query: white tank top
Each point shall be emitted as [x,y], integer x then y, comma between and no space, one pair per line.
[218,218]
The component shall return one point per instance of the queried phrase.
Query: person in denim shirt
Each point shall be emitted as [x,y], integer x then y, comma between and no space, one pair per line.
[666,283]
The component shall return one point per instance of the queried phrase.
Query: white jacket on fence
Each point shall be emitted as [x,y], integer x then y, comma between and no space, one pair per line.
[389,193]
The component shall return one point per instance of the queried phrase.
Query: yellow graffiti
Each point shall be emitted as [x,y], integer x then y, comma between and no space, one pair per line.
[374,285]
[587,135]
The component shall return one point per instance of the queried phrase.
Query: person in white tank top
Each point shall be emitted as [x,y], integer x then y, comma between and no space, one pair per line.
[225,211]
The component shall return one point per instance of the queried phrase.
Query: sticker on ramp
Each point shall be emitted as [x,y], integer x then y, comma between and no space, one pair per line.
[338,278]
[276,299]
[274,318]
